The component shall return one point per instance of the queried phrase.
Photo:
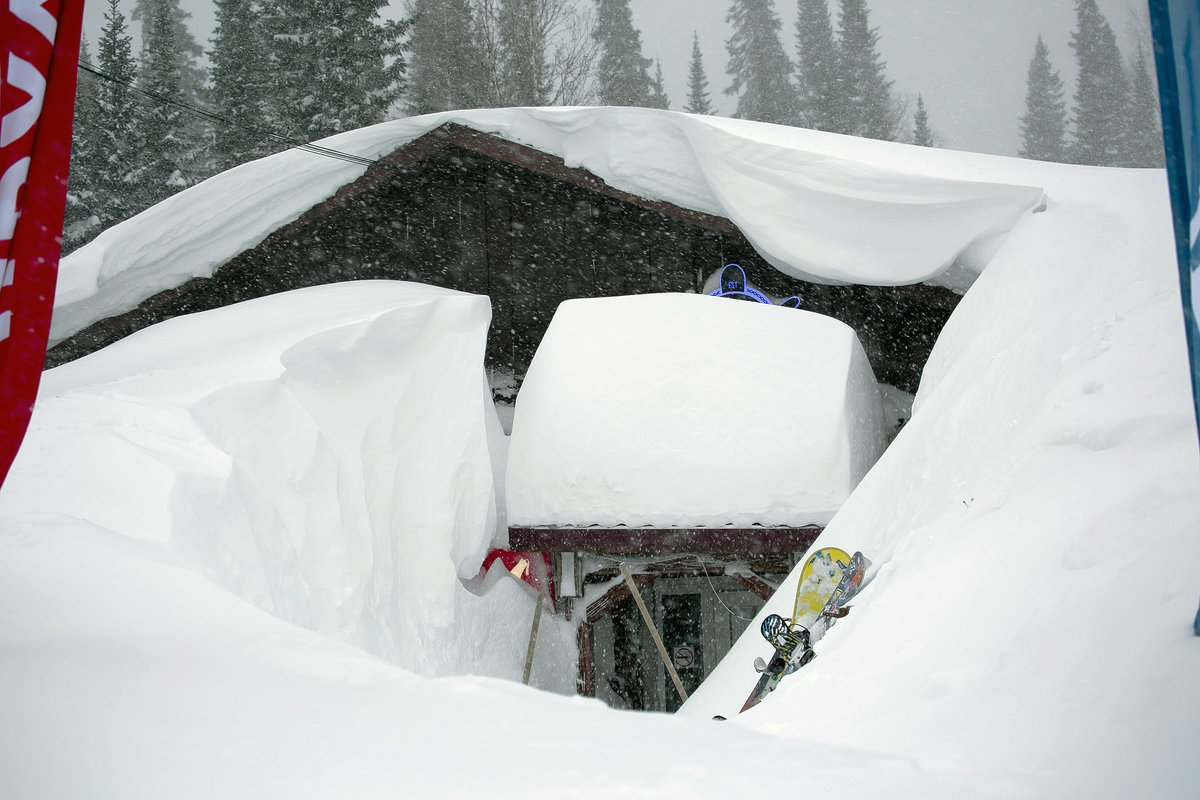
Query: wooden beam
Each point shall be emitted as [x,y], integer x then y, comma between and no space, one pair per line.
[660,541]
[533,632]
[617,595]
[658,642]
[753,583]
[684,564]
[585,682]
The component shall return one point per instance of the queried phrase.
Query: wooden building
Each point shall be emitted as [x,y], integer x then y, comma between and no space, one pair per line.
[475,212]
[677,455]
[701,587]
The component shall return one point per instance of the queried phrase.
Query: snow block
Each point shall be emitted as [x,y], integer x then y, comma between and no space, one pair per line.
[676,410]
[327,454]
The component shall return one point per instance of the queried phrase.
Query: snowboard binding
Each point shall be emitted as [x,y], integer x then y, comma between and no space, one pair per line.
[792,645]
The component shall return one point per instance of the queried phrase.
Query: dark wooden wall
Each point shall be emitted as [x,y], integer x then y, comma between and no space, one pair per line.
[466,221]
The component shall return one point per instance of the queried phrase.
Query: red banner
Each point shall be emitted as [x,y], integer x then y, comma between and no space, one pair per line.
[39,57]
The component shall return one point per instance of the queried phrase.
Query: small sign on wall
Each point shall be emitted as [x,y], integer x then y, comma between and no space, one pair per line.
[683,657]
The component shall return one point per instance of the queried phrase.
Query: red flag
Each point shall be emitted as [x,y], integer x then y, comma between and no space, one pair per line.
[39,57]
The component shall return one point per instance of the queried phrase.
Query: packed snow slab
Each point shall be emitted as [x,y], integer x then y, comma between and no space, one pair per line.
[816,205]
[1033,529]
[329,455]
[678,410]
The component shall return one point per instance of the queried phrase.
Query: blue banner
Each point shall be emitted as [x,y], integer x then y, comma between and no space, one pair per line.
[1176,27]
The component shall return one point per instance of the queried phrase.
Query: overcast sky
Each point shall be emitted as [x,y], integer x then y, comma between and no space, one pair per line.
[968,58]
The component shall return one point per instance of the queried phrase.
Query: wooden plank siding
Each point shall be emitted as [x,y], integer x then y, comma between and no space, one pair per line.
[635,541]
[469,211]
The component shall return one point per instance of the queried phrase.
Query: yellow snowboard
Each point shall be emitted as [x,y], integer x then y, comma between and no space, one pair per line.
[818,579]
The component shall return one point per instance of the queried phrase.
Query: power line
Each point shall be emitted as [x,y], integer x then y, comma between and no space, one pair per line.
[210,115]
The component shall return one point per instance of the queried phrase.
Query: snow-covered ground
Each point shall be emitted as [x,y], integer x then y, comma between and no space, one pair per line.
[231,547]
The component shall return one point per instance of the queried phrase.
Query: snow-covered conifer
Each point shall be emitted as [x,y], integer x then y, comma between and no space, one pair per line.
[758,67]
[658,92]
[239,59]
[1101,91]
[1145,122]
[922,133]
[188,52]
[522,33]
[446,67]
[866,92]
[1044,124]
[80,221]
[699,101]
[161,129]
[623,73]
[115,142]
[334,66]
[817,68]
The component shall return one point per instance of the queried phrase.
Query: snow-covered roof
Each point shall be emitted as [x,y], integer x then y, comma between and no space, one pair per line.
[815,205]
[680,410]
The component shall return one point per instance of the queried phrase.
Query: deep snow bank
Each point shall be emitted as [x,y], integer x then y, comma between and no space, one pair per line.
[1033,529]
[328,454]
[674,410]
[815,205]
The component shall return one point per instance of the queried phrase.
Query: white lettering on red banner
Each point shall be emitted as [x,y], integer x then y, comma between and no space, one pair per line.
[39,55]
[10,197]
[18,122]
[34,14]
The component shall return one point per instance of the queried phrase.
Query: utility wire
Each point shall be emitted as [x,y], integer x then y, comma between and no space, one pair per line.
[266,134]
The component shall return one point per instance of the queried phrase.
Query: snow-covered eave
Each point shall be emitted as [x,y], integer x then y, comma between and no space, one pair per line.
[816,206]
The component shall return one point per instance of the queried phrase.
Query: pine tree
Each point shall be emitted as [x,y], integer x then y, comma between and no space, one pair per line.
[160,128]
[193,77]
[188,51]
[292,103]
[116,149]
[866,93]
[1145,131]
[658,92]
[446,68]
[1044,124]
[922,134]
[522,35]
[623,78]
[1101,91]
[239,59]
[334,66]
[80,222]
[698,99]
[817,68]
[758,66]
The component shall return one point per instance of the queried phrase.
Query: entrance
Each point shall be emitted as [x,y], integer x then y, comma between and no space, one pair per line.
[698,617]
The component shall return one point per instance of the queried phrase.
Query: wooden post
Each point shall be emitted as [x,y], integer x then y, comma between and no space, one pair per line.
[537,619]
[658,642]
[585,682]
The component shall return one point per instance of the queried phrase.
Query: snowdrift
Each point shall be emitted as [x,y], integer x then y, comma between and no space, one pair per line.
[329,455]
[815,205]
[1032,527]
[675,410]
